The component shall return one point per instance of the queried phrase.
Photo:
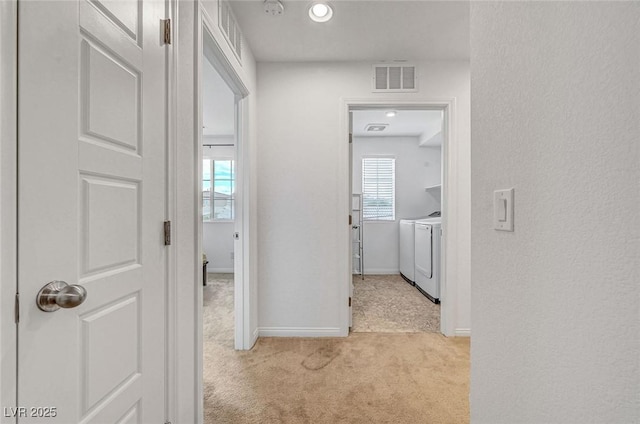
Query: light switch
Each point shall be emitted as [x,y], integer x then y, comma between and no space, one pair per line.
[503,210]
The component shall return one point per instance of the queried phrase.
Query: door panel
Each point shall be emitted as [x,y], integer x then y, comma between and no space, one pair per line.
[91,194]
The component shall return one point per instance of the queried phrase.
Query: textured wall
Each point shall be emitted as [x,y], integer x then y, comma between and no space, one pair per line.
[556,304]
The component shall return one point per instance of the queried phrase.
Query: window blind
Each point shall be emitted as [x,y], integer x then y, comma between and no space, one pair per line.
[378,188]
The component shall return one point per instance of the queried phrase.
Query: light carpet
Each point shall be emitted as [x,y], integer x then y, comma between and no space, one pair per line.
[387,303]
[364,378]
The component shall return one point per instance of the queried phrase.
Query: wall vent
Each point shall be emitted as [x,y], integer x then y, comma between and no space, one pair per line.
[394,78]
[375,127]
[230,28]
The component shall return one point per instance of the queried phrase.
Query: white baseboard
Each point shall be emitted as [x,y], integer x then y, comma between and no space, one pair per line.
[462,332]
[219,270]
[254,338]
[300,332]
[381,271]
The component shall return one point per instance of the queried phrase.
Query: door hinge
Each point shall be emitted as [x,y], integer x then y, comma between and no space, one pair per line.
[349,301]
[167,233]
[350,138]
[16,312]
[350,219]
[166,31]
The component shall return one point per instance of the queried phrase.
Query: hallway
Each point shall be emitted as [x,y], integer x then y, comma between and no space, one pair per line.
[364,378]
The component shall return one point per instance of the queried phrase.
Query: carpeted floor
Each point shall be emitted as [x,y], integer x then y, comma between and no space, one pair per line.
[364,378]
[387,303]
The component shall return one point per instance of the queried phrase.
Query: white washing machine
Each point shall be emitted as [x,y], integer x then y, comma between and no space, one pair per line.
[406,249]
[428,242]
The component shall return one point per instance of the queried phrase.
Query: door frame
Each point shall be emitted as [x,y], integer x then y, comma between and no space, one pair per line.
[448,286]
[208,47]
[8,202]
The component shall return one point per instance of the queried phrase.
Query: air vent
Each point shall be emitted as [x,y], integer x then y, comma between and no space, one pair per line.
[230,28]
[394,78]
[375,127]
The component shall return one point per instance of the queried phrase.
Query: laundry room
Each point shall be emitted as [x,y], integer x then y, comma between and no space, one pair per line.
[396,182]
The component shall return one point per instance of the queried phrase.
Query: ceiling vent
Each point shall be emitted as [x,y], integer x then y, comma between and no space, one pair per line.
[394,78]
[375,127]
[230,28]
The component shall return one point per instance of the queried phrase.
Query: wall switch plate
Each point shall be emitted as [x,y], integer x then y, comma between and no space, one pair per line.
[503,210]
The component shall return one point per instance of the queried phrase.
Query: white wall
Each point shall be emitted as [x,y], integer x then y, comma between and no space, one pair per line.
[217,244]
[300,225]
[556,304]
[217,237]
[416,168]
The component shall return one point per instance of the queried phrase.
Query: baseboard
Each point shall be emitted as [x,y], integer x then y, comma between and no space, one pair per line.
[381,271]
[462,332]
[219,270]
[299,332]
[254,338]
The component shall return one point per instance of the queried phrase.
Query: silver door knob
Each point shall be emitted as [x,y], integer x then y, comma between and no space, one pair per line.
[58,294]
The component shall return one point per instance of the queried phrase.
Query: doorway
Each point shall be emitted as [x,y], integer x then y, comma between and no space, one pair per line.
[396,186]
[219,175]
[221,167]
[379,234]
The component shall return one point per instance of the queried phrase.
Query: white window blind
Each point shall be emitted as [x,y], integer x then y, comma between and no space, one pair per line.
[378,188]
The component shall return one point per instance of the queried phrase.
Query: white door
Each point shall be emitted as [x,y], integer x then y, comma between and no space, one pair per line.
[91,202]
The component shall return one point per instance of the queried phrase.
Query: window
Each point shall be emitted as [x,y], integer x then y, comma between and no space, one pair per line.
[218,189]
[379,188]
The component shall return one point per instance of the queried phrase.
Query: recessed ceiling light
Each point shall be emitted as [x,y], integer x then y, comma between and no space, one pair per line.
[320,12]
[391,114]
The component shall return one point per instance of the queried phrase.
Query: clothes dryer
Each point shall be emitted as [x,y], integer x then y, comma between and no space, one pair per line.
[427,251]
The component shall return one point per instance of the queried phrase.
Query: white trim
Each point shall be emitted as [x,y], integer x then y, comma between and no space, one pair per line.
[462,332]
[188,336]
[300,332]
[256,334]
[8,202]
[190,19]
[171,278]
[448,286]
[219,270]
[381,271]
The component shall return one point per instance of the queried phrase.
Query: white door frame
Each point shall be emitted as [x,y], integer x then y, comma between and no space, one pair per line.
[448,287]
[8,202]
[189,20]
[208,47]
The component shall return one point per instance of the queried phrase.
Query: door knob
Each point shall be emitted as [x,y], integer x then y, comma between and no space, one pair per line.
[58,294]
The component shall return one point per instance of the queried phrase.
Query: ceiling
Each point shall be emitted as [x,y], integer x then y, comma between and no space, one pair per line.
[360,30]
[218,104]
[424,124]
